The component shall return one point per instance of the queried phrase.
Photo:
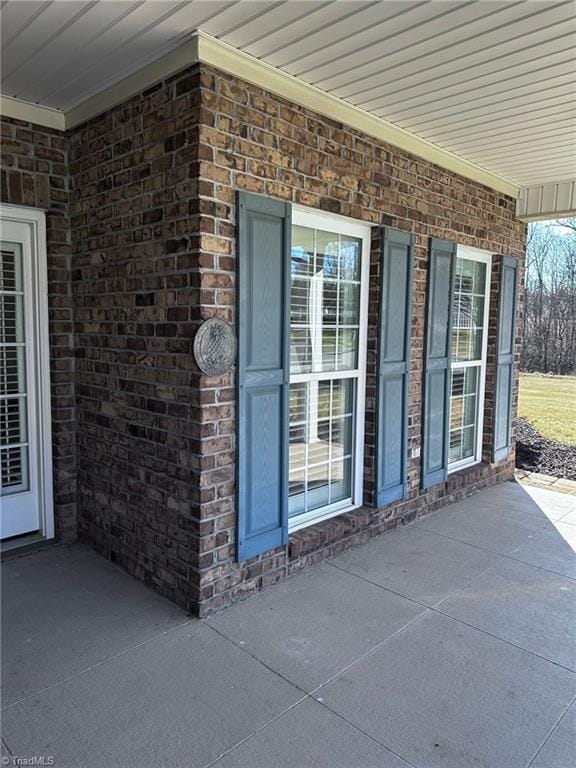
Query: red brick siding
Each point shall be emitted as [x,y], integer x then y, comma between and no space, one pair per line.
[253,140]
[153,219]
[34,172]
[135,220]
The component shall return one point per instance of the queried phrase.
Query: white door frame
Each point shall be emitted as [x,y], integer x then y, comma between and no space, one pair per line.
[34,221]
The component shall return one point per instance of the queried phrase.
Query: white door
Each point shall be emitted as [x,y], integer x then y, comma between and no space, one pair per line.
[22,455]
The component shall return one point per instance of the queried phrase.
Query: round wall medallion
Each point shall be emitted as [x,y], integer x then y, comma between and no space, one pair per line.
[215,347]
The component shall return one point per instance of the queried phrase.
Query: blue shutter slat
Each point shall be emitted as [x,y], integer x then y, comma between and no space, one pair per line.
[393,366]
[438,333]
[262,374]
[502,431]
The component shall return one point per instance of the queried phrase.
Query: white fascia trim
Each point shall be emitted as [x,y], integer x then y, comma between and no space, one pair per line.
[166,66]
[32,113]
[527,218]
[178,59]
[206,49]
[541,202]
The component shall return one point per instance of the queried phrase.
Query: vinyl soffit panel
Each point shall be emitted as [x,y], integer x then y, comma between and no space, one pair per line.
[425,72]
[203,48]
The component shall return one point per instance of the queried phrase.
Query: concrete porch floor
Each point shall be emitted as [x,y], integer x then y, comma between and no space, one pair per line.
[451,642]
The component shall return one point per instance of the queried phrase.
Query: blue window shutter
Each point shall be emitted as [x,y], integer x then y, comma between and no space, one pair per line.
[262,373]
[502,424]
[393,365]
[438,333]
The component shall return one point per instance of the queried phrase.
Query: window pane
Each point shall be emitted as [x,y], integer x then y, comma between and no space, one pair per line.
[325,301]
[327,254]
[349,258]
[455,451]
[12,367]
[341,434]
[13,420]
[342,397]
[347,358]
[302,252]
[462,444]
[463,411]
[320,443]
[11,319]
[298,403]
[296,485]
[300,350]
[330,302]
[349,306]
[296,488]
[464,381]
[320,393]
[13,469]
[341,472]
[319,449]
[299,301]
[470,276]
[318,481]
[328,360]
[468,310]
[11,268]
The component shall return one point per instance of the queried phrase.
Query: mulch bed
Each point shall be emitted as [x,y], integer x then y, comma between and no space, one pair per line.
[536,453]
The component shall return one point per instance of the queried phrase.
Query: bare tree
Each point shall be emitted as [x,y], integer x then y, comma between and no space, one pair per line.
[549,338]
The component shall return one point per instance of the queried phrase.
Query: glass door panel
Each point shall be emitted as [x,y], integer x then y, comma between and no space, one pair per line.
[18,421]
[13,389]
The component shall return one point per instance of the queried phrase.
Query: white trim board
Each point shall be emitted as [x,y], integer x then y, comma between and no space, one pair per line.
[32,113]
[206,49]
[547,201]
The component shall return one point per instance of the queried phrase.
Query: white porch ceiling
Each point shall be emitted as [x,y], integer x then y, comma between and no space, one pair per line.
[492,81]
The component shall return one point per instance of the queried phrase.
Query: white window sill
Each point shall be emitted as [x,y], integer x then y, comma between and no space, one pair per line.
[464,464]
[319,515]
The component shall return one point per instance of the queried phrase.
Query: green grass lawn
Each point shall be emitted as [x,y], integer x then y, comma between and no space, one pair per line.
[549,403]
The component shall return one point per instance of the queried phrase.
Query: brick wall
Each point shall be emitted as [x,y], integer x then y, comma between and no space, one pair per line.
[34,173]
[152,211]
[135,217]
[253,140]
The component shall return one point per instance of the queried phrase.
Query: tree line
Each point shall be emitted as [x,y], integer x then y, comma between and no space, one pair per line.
[549,333]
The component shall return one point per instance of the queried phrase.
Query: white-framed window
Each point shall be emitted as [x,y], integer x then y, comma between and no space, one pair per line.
[470,310]
[330,262]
